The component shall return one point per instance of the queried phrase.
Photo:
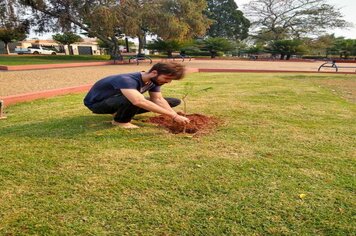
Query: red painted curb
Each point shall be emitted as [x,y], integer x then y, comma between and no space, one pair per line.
[26,97]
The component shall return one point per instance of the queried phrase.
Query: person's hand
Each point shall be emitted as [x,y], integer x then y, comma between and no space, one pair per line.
[181,119]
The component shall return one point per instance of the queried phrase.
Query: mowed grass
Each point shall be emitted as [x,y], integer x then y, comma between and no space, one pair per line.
[282,162]
[48,59]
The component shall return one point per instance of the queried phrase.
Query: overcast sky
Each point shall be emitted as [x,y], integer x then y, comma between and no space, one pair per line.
[347,8]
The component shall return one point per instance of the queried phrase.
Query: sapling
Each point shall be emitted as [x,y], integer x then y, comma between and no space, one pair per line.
[189,89]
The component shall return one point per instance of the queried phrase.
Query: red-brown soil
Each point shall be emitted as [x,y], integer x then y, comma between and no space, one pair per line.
[198,124]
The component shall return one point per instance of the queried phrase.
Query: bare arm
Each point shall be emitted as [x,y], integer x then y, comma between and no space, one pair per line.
[157,98]
[162,107]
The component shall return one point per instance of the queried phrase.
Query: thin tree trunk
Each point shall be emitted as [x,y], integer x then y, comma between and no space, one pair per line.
[127,44]
[7,50]
[114,50]
[140,44]
[70,51]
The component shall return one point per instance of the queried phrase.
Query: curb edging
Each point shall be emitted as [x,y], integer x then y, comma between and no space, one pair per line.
[26,97]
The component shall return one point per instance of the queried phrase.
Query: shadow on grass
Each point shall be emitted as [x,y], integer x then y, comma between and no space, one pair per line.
[69,127]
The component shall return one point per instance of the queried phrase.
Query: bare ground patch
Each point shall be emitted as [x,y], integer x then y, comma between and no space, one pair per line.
[199,124]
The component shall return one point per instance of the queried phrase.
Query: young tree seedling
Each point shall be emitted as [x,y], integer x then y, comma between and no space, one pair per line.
[189,89]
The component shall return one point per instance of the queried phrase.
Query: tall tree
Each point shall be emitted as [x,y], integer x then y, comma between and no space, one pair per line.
[168,19]
[95,17]
[229,22]
[107,19]
[11,27]
[67,38]
[283,19]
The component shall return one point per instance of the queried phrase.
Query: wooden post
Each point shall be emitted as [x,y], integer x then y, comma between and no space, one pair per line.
[2,116]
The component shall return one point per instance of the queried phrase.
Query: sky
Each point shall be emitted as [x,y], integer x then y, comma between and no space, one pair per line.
[347,8]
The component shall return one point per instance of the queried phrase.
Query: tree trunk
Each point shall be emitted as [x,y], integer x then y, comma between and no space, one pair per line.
[127,44]
[169,54]
[70,51]
[6,46]
[282,56]
[140,44]
[288,56]
[212,53]
[114,50]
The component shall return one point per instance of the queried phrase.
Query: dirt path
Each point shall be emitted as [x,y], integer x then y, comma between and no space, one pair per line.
[19,82]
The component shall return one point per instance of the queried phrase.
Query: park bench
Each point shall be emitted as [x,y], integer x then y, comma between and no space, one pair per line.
[184,56]
[140,57]
[180,57]
[332,64]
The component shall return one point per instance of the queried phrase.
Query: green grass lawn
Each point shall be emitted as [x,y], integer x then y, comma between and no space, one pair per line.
[48,59]
[281,163]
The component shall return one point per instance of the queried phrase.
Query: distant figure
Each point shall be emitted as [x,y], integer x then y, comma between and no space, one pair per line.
[122,95]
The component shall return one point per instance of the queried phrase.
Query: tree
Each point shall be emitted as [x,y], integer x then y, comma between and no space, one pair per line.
[286,48]
[344,47]
[229,22]
[67,38]
[168,46]
[96,18]
[321,45]
[286,19]
[109,19]
[214,45]
[168,19]
[12,29]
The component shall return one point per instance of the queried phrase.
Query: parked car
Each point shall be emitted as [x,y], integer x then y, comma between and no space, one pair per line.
[36,50]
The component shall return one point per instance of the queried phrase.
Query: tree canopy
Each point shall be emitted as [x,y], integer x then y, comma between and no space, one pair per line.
[214,45]
[108,19]
[12,28]
[168,46]
[229,22]
[168,19]
[286,19]
[67,38]
[286,48]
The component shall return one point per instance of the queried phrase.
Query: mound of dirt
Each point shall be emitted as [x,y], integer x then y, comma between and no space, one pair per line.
[198,123]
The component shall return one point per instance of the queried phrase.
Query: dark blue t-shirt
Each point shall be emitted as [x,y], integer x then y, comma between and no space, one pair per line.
[111,85]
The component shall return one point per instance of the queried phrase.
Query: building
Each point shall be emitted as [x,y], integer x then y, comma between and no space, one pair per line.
[87,47]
